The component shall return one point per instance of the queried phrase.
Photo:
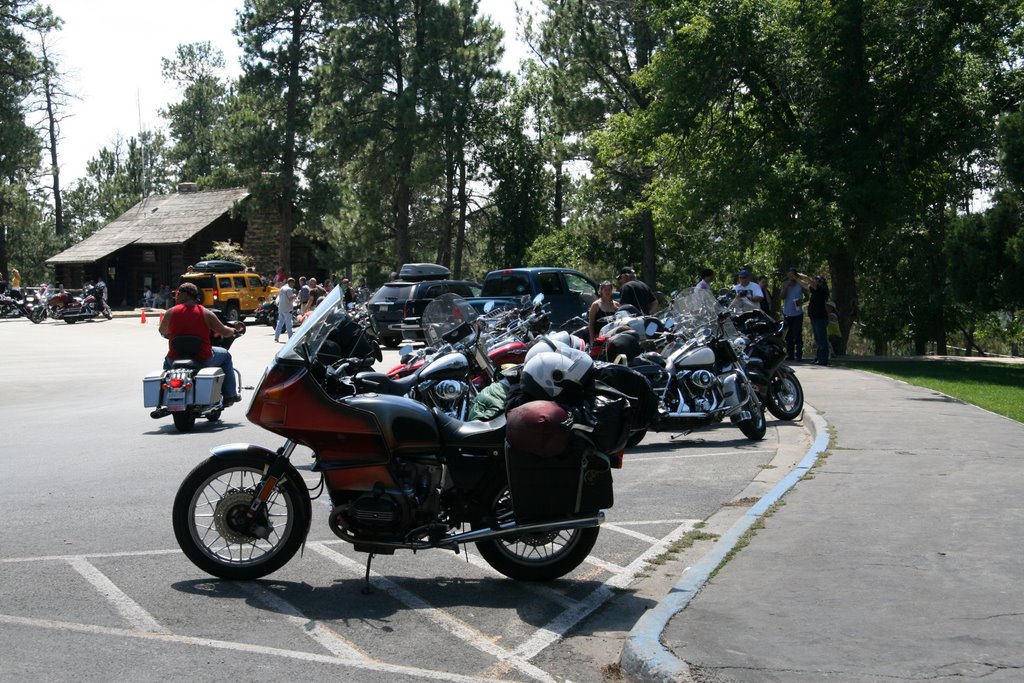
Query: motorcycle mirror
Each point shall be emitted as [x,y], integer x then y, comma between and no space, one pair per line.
[651,329]
[405,351]
[539,298]
[488,307]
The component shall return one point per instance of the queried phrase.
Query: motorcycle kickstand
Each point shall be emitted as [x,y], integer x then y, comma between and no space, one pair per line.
[367,589]
[681,435]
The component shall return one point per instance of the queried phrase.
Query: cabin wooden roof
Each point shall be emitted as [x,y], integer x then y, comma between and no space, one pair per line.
[156,220]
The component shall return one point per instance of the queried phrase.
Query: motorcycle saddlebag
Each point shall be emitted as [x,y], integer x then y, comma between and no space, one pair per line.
[636,386]
[208,383]
[151,389]
[578,482]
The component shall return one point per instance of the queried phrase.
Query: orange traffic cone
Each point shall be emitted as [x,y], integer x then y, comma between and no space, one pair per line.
[143,316]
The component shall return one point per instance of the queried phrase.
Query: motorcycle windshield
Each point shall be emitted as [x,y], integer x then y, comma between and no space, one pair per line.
[313,332]
[443,315]
[695,311]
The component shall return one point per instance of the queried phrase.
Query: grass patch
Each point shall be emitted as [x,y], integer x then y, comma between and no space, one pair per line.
[998,387]
[745,539]
[682,543]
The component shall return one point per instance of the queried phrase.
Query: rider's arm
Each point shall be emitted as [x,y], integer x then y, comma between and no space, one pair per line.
[215,325]
[165,324]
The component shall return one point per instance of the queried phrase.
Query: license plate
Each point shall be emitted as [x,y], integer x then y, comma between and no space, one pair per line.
[382,307]
[174,409]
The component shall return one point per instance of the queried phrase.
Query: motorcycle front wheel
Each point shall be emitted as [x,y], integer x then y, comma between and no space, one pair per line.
[755,427]
[214,531]
[534,557]
[785,396]
[38,314]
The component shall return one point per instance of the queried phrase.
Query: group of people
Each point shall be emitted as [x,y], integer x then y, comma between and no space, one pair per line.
[162,298]
[303,296]
[795,290]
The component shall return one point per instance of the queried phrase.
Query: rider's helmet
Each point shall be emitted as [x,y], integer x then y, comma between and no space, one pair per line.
[570,340]
[551,375]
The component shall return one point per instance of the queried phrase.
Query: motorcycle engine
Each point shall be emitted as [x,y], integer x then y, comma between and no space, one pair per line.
[448,395]
[703,387]
[389,513]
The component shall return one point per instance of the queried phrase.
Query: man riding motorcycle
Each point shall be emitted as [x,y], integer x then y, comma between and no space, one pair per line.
[189,318]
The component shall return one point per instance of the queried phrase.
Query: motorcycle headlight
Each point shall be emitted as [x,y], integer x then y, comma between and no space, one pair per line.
[739,343]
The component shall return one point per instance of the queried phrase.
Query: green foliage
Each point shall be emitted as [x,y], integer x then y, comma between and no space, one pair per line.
[114,182]
[229,251]
[193,122]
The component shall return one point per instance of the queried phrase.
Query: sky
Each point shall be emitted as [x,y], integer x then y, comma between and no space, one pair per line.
[111,51]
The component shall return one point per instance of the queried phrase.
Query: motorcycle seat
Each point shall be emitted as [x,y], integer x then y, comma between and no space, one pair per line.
[471,435]
[382,384]
[186,364]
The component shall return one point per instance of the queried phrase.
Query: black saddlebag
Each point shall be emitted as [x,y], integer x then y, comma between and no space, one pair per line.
[577,482]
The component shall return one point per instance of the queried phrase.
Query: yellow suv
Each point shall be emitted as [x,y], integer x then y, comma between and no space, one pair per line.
[226,286]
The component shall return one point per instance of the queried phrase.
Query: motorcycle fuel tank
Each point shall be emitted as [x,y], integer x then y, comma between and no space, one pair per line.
[448,366]
[701,357]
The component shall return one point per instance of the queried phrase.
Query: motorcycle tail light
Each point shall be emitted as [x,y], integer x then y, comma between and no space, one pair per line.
[176,383]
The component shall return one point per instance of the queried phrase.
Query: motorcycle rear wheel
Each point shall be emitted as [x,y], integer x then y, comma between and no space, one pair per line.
[635,438]
[209,516]
[534,557]
[71,321]
[756,427]
[785,396]
[184,421]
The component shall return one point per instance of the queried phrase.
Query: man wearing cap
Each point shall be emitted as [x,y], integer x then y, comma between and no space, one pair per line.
[745,289]
[794,291]
[635,293]
[189,318]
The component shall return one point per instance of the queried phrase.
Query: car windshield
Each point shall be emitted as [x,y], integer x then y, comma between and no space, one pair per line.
[313,332]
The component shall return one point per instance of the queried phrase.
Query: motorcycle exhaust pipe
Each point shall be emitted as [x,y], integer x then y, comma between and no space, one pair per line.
[452,542]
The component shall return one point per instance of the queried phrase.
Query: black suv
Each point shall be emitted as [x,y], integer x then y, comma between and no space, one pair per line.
[399,304]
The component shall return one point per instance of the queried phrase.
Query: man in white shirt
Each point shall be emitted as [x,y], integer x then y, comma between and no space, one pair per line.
[745,289]
[285,301]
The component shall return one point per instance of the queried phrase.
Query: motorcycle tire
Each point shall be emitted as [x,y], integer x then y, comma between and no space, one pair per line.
[184,422]
[756,427]
[785,398]
[635,438]
[38,314]
[214,497]
[214,416]
[71,321]
[533,557]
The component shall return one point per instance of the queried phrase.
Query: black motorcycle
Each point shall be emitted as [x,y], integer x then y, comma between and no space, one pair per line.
[775,382]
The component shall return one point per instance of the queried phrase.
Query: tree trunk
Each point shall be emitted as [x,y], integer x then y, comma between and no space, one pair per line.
[288,180]
[559,194]
[844,291]
[650,264]
[51,121]
[460,239]
[444,242]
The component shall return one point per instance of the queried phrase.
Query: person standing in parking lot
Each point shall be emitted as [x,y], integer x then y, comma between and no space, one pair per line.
[635,293]
[285,301]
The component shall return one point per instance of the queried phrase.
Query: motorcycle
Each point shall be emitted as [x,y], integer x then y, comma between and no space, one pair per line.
[13,304]
[266,314]
[188,391]
[699,376]
[775,382]
[61,305]
[399,475]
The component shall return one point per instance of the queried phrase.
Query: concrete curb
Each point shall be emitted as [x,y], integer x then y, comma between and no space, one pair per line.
[644,657]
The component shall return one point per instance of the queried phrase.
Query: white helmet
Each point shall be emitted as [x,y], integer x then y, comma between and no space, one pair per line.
[570,340]
[548,374]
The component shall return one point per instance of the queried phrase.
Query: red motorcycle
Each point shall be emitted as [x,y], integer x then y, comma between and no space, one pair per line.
[61,305]
[400,476]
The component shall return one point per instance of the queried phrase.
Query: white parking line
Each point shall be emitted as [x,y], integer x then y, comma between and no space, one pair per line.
[452,625]
[555,629]
[244,647]
[738,451]
[629,532]
[329,639]
[128,608]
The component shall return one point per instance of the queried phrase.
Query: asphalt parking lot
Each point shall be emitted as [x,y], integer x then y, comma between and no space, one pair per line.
[92,578]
